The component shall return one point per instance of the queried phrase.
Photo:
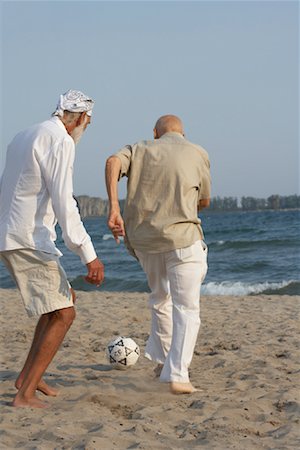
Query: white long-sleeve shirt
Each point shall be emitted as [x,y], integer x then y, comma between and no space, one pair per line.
[36,192]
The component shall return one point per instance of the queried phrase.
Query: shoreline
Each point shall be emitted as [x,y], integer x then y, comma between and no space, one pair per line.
[289,289]
[245,360]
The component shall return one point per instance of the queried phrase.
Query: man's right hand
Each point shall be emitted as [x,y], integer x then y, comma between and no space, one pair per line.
[116,225]
[95,272]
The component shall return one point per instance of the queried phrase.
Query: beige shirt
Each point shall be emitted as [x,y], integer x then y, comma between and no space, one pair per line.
[166,179]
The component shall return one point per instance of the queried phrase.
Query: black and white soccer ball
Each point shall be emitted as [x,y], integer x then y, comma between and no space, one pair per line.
[122,352]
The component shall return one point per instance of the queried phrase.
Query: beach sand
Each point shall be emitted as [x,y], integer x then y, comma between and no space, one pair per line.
[246,361]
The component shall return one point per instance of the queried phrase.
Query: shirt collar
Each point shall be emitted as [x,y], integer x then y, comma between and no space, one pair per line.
[170,134]
[58,122]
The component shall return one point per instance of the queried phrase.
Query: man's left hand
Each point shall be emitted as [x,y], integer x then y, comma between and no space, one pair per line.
[95,272]
[116,225]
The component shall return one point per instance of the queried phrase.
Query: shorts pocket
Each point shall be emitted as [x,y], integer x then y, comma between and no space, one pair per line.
[45,277]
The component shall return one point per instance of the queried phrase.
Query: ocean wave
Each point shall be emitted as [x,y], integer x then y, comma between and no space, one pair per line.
[218,243]
[106,237]
[251,243]
[235,289]
[238,288]
[230,288]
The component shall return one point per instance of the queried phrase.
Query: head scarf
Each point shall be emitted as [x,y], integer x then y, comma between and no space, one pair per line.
[74,101]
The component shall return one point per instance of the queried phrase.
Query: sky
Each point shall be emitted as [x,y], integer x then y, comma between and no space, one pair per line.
[228,69]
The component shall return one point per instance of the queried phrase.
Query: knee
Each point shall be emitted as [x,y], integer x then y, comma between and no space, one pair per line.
[159,299]
[191,309]
[66,316]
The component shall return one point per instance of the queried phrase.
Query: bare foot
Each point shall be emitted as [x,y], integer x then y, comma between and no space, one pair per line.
[34,402]
[157,370]
[42,387]
[46,389]
[182,388]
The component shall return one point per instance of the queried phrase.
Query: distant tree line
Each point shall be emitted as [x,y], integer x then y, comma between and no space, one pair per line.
[95,206]
[253,204]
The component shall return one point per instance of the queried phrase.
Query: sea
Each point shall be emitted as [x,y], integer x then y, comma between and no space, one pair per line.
[249,253]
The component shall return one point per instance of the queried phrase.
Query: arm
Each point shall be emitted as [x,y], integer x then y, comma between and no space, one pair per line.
[57,169]
[204,203]
[112,173]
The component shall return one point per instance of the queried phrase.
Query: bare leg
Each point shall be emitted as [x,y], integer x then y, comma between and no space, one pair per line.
[58,323]
[42,385]
[39,331]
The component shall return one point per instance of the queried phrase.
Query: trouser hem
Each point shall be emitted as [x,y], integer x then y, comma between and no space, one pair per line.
[177,380]
[158,361]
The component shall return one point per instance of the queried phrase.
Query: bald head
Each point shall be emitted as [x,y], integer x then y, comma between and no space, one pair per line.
[167,123]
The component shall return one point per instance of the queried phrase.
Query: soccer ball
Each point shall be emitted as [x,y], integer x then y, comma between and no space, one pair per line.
[122,352]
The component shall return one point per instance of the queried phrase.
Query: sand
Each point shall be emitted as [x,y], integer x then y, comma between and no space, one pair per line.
[246,361]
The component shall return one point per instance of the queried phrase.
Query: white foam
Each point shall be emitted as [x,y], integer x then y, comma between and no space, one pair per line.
[110,236]
[239,288]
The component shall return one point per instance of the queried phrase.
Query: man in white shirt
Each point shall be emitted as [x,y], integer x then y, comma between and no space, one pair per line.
[36,192]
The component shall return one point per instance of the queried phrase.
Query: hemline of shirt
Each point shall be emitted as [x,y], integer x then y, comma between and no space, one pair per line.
[160,246]
[86,254]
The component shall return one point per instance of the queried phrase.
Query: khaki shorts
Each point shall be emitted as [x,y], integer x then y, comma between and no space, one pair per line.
[41,280]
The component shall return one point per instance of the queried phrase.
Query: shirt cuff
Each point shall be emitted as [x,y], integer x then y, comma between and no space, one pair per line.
[87,253]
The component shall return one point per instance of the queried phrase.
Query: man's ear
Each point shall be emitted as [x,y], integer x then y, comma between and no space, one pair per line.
[81,119]
[155,133]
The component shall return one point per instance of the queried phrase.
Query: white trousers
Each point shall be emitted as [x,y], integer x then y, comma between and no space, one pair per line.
[174,279]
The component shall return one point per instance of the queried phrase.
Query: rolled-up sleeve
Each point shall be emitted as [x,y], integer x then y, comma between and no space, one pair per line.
[124,155]
[205,183]
[57,170]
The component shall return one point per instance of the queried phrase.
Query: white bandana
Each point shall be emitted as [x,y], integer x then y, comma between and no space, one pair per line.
[74,101]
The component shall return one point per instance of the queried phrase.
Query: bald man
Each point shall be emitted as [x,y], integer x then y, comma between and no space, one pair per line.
[168,183]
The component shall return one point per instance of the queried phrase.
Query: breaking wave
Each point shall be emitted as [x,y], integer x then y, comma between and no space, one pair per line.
[210,289]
